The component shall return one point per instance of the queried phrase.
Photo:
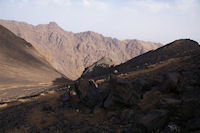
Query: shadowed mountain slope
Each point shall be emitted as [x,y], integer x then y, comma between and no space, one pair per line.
[22,69]
[177,49]
[70,53]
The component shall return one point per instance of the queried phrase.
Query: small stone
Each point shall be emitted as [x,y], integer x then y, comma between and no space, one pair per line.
[65,97]
[115,72]
[73,93]
[154,119]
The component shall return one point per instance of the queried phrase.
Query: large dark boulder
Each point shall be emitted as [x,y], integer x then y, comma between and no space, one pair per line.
[87,91]
[121,95]
[154,120]
[172,82]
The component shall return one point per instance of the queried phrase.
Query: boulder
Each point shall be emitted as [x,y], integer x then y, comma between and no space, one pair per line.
[194,124]
[121,95]
[150,99]
[115,72]
[65,97]
[70,97]
[171,82]
[87,91]
[127,116]
[172,128]
[154,120]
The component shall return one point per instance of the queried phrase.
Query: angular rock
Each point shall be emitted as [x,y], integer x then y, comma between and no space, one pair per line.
[120,95]
[127,116]
[150,99]
[172,128]
[87,91]
[65,97]
[154,119]
[171,82]
[194,124]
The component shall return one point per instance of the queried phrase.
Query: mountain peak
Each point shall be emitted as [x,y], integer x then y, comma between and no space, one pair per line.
[184,41]
[53,24]
[89,34]
[183,45]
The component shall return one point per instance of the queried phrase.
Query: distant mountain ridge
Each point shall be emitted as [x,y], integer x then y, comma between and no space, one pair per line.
[71,53]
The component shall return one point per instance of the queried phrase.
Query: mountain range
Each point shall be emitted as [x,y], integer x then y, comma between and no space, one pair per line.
[70,53]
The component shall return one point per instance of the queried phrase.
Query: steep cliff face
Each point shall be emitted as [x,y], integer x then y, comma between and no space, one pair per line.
[70,53]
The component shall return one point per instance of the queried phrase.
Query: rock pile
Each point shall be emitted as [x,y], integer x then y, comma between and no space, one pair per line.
[169,106]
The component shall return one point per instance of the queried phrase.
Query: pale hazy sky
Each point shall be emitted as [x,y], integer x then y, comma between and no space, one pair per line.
[150,20]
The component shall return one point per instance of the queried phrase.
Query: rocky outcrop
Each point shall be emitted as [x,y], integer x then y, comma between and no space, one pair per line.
[98,68]
[120,95]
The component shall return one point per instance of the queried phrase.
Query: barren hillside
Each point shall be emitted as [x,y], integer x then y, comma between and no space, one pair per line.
[22,69]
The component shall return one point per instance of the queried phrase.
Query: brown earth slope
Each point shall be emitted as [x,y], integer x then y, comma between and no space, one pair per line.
[70,53]
[22,69]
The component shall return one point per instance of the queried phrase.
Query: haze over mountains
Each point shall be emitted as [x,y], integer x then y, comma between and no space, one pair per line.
[70,53]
